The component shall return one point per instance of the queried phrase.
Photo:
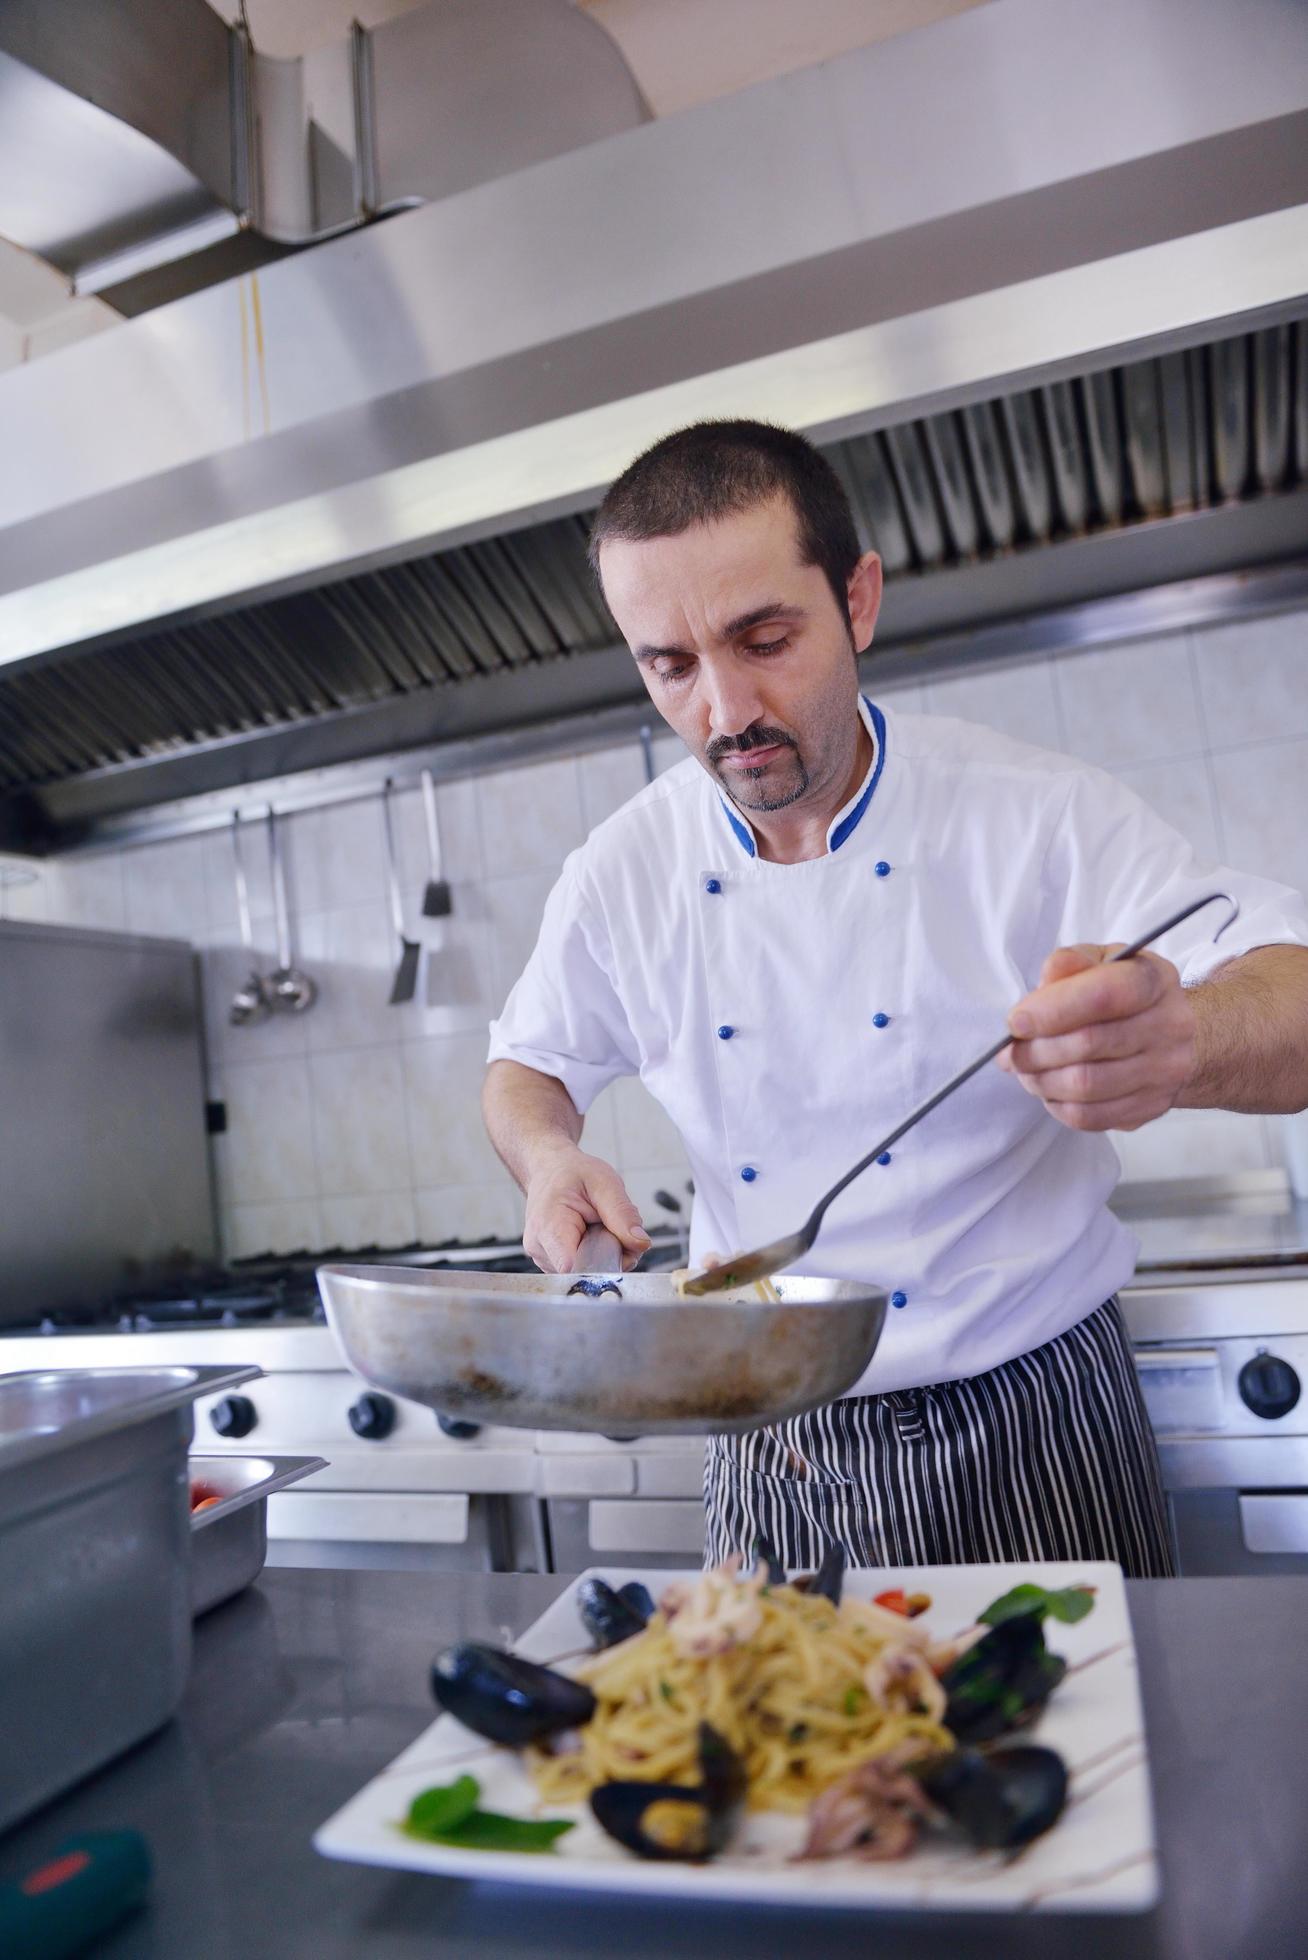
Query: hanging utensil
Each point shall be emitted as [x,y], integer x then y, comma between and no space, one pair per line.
[774,1258]
[437,899]
[406,972]
[647,751]
[292,992]
[251,1001]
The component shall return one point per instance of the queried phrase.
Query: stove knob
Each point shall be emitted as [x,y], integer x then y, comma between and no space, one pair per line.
[462,1432]
[1268,1386]
[234,1416]
[372,1417]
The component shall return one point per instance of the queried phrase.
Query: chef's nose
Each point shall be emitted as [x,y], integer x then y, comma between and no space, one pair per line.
[733,701]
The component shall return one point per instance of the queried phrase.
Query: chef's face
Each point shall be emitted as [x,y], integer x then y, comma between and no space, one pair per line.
[745,652]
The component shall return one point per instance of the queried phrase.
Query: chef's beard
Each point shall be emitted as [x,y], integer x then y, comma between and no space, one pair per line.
[775,784]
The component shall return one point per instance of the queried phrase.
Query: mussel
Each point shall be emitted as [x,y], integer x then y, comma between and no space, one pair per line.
[767,1558]
[609,1616]
[1002,1682]
[506,1698]
[639,1598]
[1001,1799]
[668,1821]
[829,1579]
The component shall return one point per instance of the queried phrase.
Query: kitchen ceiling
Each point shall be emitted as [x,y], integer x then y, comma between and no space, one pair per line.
[1128,454]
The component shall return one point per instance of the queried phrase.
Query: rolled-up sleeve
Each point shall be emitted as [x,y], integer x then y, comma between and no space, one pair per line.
[564,1017]
[1121,869]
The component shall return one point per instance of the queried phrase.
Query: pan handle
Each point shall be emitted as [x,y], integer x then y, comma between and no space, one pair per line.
[599,1252]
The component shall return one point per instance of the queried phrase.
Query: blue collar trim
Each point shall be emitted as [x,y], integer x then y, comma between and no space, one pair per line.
[848,824]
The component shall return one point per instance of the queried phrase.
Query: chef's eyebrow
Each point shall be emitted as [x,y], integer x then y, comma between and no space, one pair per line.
[742,623]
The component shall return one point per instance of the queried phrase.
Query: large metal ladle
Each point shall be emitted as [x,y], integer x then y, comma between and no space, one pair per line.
[251,1001]
[292,992]
[774,1258]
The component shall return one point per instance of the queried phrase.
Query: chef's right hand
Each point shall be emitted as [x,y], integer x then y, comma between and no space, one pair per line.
[569,1193]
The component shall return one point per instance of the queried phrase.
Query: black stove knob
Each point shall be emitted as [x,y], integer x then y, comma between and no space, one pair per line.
[234,1416]
[1269,1386]
[372,1417]
[461,1432]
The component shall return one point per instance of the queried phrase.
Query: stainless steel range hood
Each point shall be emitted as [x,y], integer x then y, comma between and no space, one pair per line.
[1039,273]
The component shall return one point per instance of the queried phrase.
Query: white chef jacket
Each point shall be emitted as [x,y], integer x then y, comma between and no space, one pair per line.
[785,1015]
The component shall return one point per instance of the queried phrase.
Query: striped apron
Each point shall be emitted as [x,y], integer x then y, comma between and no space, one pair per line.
[1050,1456]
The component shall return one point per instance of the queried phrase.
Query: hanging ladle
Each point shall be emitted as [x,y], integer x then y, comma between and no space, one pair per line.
[743,1267]
[250,1002]
[293,992]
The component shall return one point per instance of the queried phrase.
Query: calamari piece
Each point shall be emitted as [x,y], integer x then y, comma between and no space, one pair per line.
[902,1677]
[873,1813]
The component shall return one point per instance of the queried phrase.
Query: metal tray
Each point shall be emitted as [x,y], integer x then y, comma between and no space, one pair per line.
[229,1540]
[95,1609]
[601,1352]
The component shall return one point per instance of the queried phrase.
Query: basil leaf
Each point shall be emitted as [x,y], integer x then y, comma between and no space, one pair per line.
[1070,1604]
[441,1808]
[486,1830]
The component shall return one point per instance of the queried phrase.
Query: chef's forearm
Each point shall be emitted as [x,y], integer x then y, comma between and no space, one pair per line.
[1252,1049]
[529,1116]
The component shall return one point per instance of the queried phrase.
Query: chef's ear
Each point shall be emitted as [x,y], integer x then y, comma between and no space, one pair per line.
[864,596]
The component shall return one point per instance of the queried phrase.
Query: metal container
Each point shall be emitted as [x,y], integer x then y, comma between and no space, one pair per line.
[229,1540]
[607,1353]
[95,1565]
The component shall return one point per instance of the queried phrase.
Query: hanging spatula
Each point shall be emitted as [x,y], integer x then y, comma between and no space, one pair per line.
[437,899]
[406,972]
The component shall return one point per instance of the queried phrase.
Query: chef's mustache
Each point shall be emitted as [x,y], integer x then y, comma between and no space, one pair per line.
[756,737]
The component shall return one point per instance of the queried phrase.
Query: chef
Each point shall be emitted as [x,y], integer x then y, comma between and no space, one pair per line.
[793,937]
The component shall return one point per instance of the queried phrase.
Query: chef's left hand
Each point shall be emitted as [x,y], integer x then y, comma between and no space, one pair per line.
[1103,1047]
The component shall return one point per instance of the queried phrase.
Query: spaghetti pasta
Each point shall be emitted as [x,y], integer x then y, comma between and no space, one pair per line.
[801,1689]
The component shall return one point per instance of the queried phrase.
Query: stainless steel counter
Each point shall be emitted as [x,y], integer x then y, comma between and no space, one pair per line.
[308,1684]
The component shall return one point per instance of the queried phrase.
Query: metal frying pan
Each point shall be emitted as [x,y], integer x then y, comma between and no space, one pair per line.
[603,1351]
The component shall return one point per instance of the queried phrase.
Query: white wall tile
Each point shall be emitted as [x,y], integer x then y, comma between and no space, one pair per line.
[469,1211]
[88,891]
[164,885]
[456,974]
[1017,700]
[1253,678]
[359,1121]
[249,1230]
[530,818]
[599,1133]
[515,907]
[335,857]
[351,954]
[1133,703]
[270,1131]
[24,891]
[609,778]
[1181,793]
[447,1138]
[381,1218]
[1261,796]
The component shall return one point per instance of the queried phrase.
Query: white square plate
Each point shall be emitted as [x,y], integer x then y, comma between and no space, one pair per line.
[1098,1857]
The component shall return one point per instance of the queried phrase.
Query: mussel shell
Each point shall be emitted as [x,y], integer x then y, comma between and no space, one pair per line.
[606,1615]
[829,1580]
[639,1598]
[1000,1800]
[506,1698]
[1002,1682]
[622,1807]
[767,1558]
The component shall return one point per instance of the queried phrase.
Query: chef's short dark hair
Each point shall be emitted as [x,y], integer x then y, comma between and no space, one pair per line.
[712,470]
